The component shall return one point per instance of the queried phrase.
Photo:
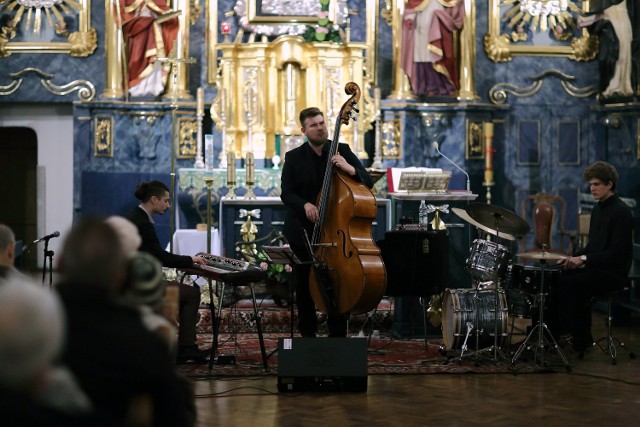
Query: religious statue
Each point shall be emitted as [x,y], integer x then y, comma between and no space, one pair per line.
[150,28]
[427,53]
[616,24]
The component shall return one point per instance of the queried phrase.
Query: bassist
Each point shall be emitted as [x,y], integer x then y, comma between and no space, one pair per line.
[302,178]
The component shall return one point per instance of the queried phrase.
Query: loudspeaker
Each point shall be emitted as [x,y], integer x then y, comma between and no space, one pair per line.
[417,262]
[322,364]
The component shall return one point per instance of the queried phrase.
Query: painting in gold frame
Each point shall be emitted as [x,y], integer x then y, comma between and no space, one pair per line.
[258,13]
[500,48]
[474,148]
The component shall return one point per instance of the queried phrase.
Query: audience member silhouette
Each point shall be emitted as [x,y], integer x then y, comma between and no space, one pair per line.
[124,368]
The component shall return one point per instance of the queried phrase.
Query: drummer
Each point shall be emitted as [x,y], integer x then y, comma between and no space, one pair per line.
[600,267]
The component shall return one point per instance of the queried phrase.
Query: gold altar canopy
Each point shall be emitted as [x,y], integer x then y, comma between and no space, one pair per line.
[264,85]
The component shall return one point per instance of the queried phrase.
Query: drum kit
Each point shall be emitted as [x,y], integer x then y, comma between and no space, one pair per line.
[502,288]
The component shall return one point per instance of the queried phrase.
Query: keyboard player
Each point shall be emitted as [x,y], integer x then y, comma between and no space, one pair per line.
[154,200]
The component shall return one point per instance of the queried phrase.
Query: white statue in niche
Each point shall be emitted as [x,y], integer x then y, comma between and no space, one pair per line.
[612,22]
[147,136]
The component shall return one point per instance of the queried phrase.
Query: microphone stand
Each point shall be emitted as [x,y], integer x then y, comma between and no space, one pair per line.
[436,147]
[47,254]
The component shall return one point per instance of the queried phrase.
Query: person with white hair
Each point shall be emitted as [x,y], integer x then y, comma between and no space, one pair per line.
[34,390]
[7,250]
[144,286]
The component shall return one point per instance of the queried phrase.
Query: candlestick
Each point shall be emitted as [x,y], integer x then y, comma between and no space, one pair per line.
[223,129]
[231,174]
[488,145]
[199,162]
[276,154]
[250,166]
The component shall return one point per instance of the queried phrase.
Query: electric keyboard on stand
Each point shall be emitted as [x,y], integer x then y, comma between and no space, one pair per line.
[234,272]
[227,270]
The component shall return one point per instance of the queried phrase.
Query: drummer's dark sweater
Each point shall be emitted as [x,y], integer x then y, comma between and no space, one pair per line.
[610,246]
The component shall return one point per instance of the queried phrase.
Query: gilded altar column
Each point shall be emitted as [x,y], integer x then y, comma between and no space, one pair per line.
[181,51]
[401,85]
[114,87]
[468,53]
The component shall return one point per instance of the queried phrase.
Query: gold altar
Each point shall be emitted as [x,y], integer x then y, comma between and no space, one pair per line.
[264,85]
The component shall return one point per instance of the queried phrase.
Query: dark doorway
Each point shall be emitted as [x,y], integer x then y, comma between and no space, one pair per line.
[18,187]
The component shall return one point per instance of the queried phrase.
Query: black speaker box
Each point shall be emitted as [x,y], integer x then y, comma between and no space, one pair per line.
[417,262]
[322,364]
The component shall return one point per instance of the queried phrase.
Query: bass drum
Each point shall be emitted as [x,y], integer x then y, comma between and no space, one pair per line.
[459,312]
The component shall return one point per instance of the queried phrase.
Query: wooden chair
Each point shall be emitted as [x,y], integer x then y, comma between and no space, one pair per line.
[542,209]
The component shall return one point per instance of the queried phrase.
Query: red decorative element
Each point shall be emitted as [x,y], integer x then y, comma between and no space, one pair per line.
[225,28]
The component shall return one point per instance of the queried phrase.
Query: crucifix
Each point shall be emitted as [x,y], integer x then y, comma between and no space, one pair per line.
[175,71]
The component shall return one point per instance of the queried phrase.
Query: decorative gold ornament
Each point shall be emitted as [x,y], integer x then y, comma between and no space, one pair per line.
[30,16]
[498,93]
[187,141]
[103,136]
[86,90]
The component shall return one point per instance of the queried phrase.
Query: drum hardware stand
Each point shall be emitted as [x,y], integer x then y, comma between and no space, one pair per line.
[541,328]
[497,310]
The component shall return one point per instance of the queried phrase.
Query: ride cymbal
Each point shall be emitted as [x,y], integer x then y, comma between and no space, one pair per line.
[542,255]
[497,218]
[465,216]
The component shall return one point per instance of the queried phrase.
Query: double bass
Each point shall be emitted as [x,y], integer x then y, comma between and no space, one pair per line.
[348,274]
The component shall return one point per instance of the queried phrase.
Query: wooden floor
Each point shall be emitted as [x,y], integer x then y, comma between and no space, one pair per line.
[594,393]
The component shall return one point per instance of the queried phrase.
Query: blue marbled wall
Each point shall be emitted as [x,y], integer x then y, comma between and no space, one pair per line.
[605,132]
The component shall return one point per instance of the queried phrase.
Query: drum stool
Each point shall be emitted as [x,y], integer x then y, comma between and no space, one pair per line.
[611,342]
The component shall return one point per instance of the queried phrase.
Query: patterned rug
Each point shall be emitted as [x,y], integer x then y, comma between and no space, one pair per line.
[238,343]
[241,356]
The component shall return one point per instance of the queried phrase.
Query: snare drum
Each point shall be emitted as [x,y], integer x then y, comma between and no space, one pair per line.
[459,308]
[526,278]
[488,260]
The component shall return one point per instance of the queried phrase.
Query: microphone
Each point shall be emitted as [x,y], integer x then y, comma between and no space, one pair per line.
[47,237]
[436,146]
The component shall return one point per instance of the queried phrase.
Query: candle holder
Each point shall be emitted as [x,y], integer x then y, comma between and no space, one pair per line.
[199,163]
[250,166]
[209,183]
[231,175]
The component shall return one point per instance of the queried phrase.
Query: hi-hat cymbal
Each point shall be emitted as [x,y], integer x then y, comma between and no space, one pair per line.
[465,216]
[542,255]
[497,218]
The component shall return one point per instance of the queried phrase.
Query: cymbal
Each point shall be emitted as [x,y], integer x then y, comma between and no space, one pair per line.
[542,255]
[465,216]
[497,218]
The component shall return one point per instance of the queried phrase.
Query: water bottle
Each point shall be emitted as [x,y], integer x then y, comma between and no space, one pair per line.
[422,214]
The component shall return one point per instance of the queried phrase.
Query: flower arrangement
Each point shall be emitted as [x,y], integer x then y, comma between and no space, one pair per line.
[324,30]
[276,272]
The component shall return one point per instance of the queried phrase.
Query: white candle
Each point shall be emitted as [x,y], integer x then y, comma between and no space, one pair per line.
[488,142]
[200,101]
[208,152]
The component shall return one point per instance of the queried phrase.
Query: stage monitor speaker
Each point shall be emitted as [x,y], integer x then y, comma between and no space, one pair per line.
[322,364]
[417,262]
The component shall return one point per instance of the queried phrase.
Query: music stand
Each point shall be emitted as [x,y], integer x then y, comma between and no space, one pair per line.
[283,255]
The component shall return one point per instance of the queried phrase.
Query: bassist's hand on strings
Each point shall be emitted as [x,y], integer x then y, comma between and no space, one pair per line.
[341,163]
[312,212]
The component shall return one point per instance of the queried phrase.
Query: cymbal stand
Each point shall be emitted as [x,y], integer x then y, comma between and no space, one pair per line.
[541,328]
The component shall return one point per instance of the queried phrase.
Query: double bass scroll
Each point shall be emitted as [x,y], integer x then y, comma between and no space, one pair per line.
[348,274]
